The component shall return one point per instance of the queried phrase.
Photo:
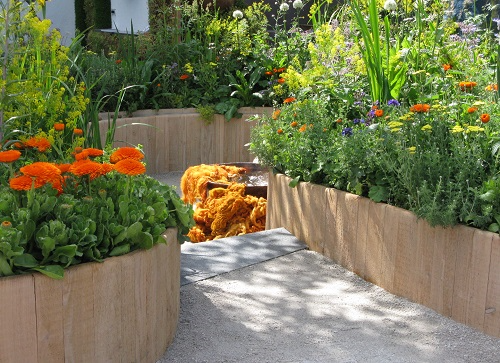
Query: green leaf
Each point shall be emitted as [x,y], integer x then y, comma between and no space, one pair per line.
[294,182]
[53,271]
[378,193]
[144,240]
[120,250]
[25,260]
[134,230]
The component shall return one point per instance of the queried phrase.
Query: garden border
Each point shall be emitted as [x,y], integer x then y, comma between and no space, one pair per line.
[123,309]
[454,271]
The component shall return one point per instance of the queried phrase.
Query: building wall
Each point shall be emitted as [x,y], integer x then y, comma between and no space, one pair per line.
[125,11]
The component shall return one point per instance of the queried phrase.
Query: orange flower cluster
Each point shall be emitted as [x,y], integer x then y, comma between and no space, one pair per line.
[467,85]
[126,153]
[130,167]
[491,87]
[471,109]
[420,108]
[59,126]
[446,67]
[289,100]
[37,175]
[89,152]
[9,156]
[276,114]
[228,212]
[184,77]
[88,167]
[379,113]
[39,143]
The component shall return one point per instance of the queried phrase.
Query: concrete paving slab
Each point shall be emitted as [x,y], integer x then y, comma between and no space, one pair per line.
[203,260]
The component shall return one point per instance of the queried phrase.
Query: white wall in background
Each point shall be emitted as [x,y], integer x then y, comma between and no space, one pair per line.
[125,11]
[62,15]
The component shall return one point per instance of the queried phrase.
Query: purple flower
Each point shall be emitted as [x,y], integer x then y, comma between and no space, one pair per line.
[347,131]
[393,102]
[358,121]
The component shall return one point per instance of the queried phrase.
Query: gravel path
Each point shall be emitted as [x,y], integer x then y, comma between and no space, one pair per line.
[303,308]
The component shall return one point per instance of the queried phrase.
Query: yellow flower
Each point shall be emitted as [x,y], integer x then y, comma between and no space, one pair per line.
[188,68]
[394,124]
[473,128]
[412,149]
[457,129]
[426,127]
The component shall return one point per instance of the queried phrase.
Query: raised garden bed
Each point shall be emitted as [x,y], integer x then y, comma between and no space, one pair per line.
[454,271]
[124,309]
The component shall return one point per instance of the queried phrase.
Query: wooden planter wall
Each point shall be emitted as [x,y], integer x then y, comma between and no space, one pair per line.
[175,139]
[125,309]
[454,271]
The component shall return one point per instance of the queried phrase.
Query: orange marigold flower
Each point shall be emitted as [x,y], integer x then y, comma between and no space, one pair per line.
[42,171]
[86,167]
[40,143]
[127,152]
[268,73]
[485,118]
[118,61]
[59,126]
[81,155]
[294,124]
[184,77]
[303,128]
[471,109]
[106,168]
[339,120]
[78,132]
[281,70]
[130,167]
[93,152]
[281,80]
[420,107]
[379,113]
[289,100]
[280,131]
[491,87]
[276,114]
[158,85]
[9,156]
[63,167]
[446,67]
[18,145]
[467,85]
[22,182]
[78,149]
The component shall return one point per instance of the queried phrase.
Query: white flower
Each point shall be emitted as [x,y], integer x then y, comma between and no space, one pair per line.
[390,5]
[284,7]
[298,4]
[237,14]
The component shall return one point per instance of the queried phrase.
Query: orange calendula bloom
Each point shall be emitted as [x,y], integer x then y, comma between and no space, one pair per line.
[276,114]
[294,124]
[281,80]
[59,126]
[184,77]
[420,107]
[491,87]
[379,113]
[63,167]
[93,152]
[43,172]
[18,145]
[485,118]
[6,224]
[81,156]
[268,73]
[467,85]
[303,128]
[446,67]
[39,143]
[289,100]
[280,131]
[9,156]
[118,61]
[127,152]
[22,182]
[130,167]
[106,168]
[86,167]
[471,109]
[78,132]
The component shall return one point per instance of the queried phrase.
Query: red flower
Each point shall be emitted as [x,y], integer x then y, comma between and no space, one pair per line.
[184,77]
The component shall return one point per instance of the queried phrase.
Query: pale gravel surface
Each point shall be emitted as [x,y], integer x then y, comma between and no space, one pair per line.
[304,308]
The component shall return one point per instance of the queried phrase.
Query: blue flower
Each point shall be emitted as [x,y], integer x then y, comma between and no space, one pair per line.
[358,121]
[347,131]
[393,102]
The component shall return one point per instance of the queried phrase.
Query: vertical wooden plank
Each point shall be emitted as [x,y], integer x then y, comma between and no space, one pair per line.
[161,152]
[348,206]
[208,143]
[176,131]
[478,278]
[107,310]
[331,247]
[78,301]
[150,280]
[220,138]
[160,337]
[463,241]
[50,320]
[492,312]
[17,311]
[362,237]
[405,266]
[141,341]
[375,224]
[128,308]
[312,203]
[173,283]
[286,210]
[425,250]
[389,247]
[193,147]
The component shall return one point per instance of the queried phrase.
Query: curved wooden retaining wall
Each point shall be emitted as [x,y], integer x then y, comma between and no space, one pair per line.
[454,271]
[125,309]
[175,139]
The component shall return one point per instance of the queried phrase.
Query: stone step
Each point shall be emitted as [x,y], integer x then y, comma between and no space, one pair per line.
[200,261]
